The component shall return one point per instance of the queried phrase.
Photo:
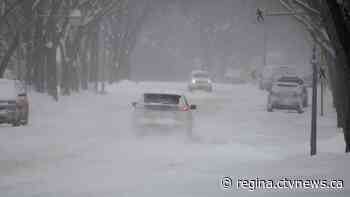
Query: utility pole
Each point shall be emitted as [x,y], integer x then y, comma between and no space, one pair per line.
[260,14]
[313,145]
[322,87]
[260,19]
[322,76]
[265,44]
[103,59]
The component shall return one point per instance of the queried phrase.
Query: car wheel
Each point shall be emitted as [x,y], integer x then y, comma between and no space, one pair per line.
[269,108]
[25,122]
[305,103]
[269,104]
[26,119]
[16,123]
[300,110]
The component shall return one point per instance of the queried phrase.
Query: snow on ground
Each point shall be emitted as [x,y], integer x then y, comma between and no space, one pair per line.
[84,145]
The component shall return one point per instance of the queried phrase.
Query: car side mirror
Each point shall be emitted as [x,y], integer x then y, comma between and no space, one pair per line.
[192,107]
[134,104]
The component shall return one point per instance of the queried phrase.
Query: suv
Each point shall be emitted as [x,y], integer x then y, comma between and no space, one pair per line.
[271,73]
[157,110]
[200,80]
[300,81]
[14,105]
[285,95]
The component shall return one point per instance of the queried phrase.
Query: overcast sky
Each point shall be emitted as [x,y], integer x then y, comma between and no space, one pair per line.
[180,34]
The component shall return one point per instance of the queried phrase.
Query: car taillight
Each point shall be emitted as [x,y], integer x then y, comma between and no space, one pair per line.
[183,108]
[21,101]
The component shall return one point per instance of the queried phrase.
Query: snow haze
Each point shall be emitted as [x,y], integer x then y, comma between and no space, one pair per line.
[84,145]
[89,139]
[217,34]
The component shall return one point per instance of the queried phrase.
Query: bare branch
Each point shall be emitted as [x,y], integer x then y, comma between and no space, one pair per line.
[308,7]
[315,30]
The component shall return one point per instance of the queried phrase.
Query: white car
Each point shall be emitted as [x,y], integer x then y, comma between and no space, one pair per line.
[162,111]
[271,73]
[285,95]
[200,80]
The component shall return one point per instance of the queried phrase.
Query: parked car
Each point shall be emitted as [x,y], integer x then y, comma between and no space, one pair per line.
[235,76]
[162,110]
[200,80]
[271,73]
[285,95]
[300,81]
[14,104]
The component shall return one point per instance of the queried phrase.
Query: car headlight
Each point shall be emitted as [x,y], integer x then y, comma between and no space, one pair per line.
[193,81]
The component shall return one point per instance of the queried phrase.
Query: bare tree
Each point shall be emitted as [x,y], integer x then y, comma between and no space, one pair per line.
[328,23]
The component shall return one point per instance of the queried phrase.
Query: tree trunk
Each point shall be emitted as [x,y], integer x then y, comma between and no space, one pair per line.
[9,54]
[65,76]
[347,123]
[84,66]
[51,63]
[95,60]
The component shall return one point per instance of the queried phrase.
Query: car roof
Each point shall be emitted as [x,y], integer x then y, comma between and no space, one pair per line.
[165,92]
[199,72]
[279,69]
[286,83]
[279,66]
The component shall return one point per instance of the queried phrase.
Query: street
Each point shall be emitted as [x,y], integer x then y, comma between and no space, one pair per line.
[84,146]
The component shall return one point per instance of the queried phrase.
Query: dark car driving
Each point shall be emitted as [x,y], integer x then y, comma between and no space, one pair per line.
[158,110]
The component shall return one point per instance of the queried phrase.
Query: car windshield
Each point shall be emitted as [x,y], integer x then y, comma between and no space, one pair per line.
[161,98]
[200,75]
[287,85]
[291,79]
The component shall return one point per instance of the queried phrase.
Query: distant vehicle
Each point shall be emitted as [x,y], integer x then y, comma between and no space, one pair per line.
[272,72]
[159,110]
[300,81]
[285,95]
[14,105]
[200,80]
[234,76]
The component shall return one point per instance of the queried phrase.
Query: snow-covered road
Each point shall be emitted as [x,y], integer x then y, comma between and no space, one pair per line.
[84,146]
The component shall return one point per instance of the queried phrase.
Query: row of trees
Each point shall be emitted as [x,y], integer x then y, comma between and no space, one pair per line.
[69,44]
[328,22]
